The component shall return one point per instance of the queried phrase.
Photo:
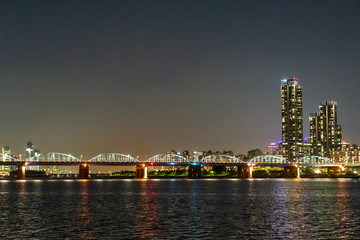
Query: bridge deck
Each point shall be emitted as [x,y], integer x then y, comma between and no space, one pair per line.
[59,163]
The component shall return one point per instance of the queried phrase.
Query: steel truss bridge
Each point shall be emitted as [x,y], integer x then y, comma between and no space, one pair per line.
[261,161]
[244,168]
[118,159]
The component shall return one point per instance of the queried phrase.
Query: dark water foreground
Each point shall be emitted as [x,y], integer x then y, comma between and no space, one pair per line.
[178,209]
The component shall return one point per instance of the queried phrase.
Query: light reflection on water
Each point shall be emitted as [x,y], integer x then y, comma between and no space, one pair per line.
[343,211]
[83,212]
[180,208]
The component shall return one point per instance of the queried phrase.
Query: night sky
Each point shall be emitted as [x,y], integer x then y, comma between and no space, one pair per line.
[146,77]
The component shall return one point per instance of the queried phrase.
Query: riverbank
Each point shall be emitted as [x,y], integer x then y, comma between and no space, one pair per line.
[178,177]
[181,175]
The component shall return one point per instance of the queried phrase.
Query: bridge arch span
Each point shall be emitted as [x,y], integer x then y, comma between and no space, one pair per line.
[220,158]
[168,158]
[315,160]
[8,158]
[269,159]
[61,157]
[113,157]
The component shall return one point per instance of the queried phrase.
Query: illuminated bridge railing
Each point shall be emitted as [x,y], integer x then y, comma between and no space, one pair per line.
[315,160]
[61,157]
[8,158]
[220,158]
[113,157]
[168,158]
[269,159]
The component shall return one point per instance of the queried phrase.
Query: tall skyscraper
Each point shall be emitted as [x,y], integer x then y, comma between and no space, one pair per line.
[292,119]
[325,133]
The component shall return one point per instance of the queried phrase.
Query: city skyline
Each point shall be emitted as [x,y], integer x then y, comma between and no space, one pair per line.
[296,93]
[185,119]
[152,81]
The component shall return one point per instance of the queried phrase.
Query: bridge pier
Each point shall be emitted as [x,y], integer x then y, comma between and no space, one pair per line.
[244,171]
[84,171]
[292,172]
[194,171]
[141,171]
[21,172]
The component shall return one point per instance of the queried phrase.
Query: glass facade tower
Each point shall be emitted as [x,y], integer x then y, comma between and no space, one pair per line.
[292,119]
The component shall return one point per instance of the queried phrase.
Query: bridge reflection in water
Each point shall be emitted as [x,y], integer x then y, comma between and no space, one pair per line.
[244,168]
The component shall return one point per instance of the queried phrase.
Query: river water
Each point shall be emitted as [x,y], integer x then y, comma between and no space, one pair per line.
[180,209]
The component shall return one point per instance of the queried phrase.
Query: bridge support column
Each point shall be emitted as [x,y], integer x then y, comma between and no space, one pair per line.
[292,172]
[141,171]
[244,171]
[21,172]
[194,171]
[84,171]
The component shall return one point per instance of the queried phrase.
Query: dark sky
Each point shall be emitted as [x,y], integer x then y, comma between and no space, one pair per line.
[145,77]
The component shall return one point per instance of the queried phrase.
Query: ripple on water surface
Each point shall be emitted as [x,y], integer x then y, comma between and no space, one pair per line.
[178,209]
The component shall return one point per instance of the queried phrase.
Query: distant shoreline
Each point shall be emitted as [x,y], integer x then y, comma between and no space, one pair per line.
[180,177]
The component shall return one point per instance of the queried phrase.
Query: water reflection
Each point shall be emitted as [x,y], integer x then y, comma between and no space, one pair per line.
[279,209]
[343,211]
[22,217]
[195,209]
[83,212]
[299,206]
[195,220]
[148,222]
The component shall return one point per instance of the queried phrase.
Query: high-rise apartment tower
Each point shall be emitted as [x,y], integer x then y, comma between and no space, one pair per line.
[292,119]
[325,133]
